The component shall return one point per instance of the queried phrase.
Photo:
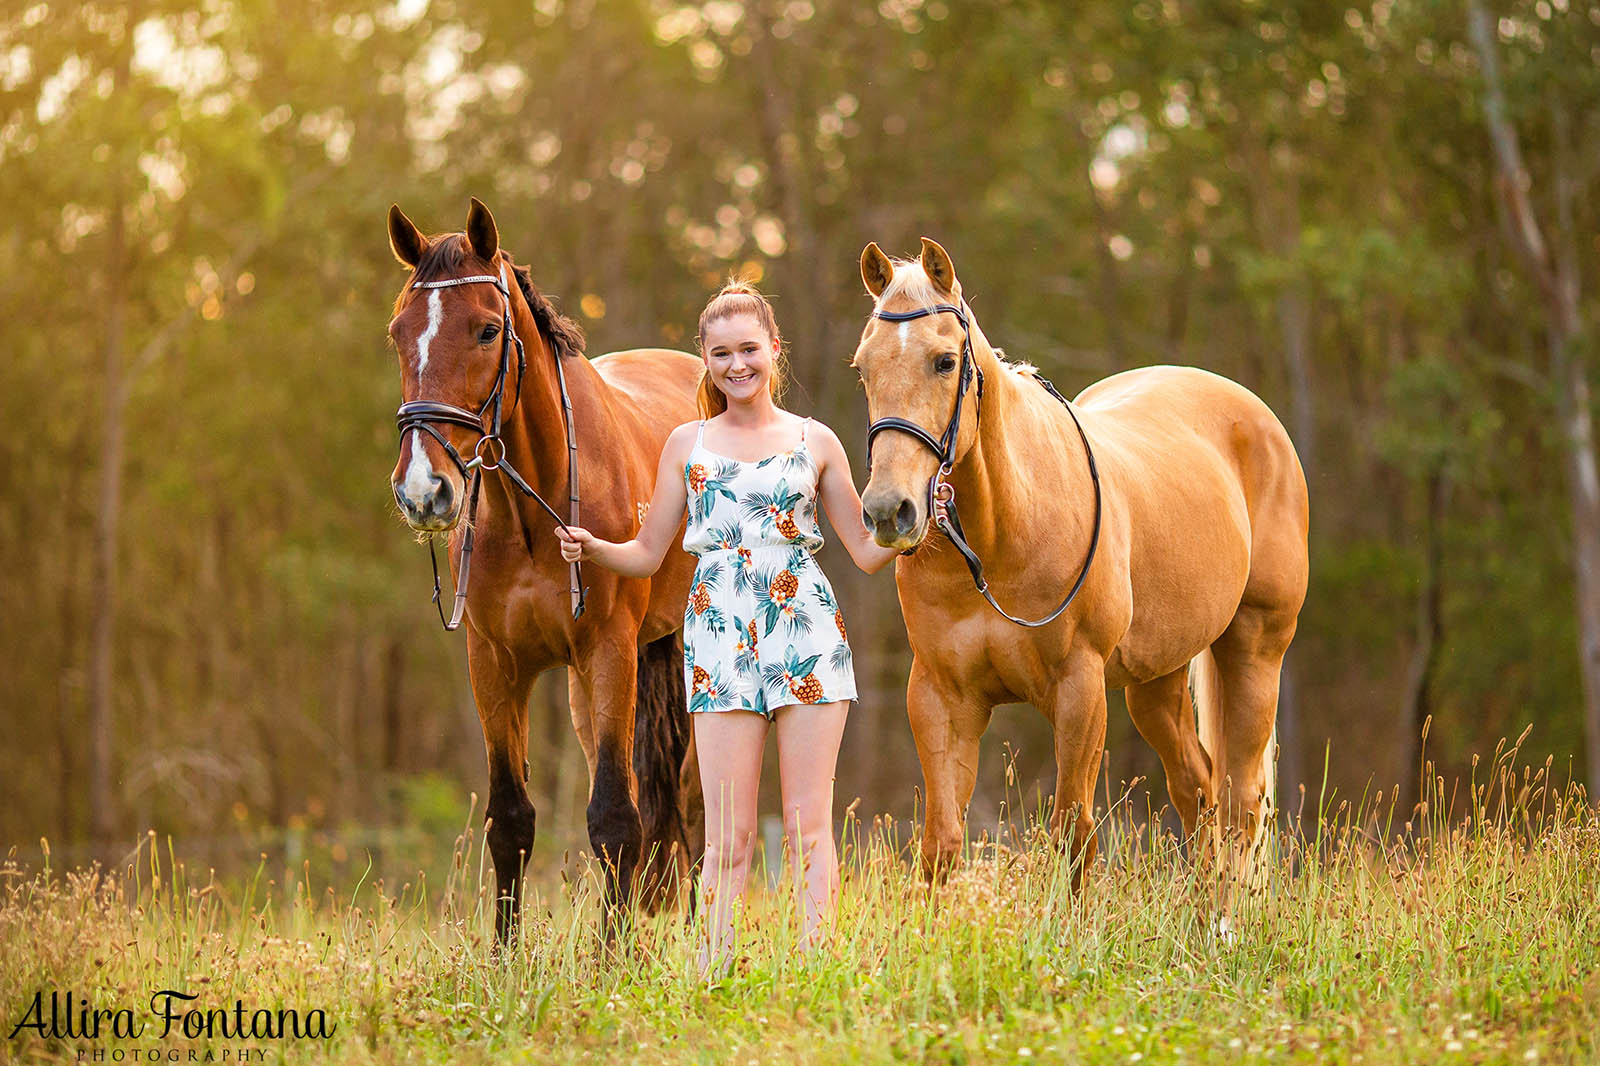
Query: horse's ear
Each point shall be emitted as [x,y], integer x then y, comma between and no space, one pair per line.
[936,264]
[405,240]
[481,233]
[876,270]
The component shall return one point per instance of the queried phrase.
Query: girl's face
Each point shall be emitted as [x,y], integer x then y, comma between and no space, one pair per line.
[739,356]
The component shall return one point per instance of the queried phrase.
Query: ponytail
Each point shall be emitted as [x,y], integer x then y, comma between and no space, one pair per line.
[711,400]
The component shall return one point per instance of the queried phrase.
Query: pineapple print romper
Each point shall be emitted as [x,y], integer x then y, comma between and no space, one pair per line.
[762,629]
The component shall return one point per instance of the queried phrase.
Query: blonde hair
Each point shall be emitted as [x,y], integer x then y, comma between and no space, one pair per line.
[739,298]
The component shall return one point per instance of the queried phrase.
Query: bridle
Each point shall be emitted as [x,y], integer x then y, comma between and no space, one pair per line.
[489,454]
[942,494]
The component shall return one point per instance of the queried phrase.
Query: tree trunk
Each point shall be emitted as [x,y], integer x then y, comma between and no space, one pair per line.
[1276,208]
[1583,486]
[1109,280]
[1178,297]
[1424,666]
[69,785]
[103,590]
[1571,374]
[804,310]
[394,669]
[1555,272]
[1294,319]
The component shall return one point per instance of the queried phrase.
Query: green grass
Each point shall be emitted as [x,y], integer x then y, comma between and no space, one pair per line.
[1471,936]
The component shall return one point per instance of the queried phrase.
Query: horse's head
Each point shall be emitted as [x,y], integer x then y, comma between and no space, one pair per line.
[457,362]
[915,362]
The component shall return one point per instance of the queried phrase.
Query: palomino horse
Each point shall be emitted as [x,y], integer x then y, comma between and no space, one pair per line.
[490,370]
[1164,516]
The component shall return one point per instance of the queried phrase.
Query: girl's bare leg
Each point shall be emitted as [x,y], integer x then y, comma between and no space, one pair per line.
[729,746]
[808,757]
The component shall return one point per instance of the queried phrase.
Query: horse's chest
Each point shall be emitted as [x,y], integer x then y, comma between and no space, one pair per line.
[517,608]
[985,655]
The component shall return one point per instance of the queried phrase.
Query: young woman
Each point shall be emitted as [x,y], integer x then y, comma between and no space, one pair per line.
[764,640]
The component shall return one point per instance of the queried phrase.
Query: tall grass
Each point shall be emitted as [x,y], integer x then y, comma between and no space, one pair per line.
[1466,928]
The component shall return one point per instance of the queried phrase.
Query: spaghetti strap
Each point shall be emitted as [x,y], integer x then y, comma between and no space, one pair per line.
[700,435]
[803,426]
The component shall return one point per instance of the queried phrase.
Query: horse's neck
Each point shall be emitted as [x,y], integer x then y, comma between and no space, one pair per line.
[1026,481]
[536,434]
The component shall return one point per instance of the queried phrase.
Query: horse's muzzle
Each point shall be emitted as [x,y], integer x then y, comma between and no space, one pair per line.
[435,509]
[896,520]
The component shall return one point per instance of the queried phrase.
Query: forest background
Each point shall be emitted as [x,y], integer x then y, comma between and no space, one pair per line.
[1380,217]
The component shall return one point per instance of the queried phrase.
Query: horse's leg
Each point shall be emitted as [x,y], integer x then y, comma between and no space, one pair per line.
[500,687]
[1248,660]
[1077,710]
[1160,709]
[582,720]
[946,723]
[603,684]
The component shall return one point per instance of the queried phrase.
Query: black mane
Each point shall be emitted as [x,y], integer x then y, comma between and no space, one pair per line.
[444,257]
[560,332]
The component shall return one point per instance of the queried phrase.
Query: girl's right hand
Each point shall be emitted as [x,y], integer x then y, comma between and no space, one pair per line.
[577,543]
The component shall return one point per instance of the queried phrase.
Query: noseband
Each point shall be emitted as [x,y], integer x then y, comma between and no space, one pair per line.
[489,453]
[942,494]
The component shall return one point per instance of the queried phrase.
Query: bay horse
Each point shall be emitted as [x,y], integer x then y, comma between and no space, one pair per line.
[1158,524]
[490,370]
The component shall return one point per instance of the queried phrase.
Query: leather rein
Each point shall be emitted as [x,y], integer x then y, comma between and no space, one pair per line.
[489,454]
[942,494]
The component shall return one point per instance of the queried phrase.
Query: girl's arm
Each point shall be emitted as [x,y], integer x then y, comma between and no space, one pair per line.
[843,504]
[641,556]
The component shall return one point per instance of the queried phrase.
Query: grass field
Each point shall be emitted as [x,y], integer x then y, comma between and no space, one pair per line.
[1471,936]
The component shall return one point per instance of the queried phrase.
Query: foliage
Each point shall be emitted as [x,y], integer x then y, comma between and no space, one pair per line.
[1200,181]
[1477,934]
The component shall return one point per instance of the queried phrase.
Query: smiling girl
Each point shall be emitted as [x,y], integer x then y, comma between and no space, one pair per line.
[764,639]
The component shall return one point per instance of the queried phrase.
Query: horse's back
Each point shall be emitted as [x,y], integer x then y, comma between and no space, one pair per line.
[652,392]
[1178,411]
[1214,498]
[660,382]
[1203,402]
[655,387]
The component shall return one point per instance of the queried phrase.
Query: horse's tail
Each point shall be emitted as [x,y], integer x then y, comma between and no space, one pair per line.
[1207,689]
[660,741]
[1269,784]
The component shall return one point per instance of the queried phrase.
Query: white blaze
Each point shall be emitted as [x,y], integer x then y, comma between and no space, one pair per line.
[435,317]
[419,472]
[905,333]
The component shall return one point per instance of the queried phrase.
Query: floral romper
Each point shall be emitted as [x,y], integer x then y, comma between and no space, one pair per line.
[762,629]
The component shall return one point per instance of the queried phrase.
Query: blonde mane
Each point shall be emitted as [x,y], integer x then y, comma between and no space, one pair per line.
[912,282]
[1021,366]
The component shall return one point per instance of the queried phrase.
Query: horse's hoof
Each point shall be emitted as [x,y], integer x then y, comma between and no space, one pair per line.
[937,867]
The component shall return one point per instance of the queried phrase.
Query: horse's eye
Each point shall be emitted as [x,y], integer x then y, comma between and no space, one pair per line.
[489,333]
[945,363]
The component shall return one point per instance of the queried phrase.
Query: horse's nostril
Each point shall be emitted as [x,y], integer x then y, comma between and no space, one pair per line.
[443,496]
[866,519]
[905,517]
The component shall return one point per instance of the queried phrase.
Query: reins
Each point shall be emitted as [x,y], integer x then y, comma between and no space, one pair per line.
[942,495]
[489,454]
